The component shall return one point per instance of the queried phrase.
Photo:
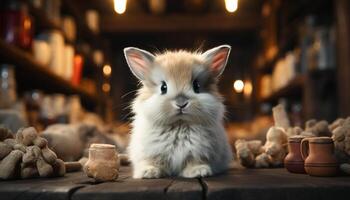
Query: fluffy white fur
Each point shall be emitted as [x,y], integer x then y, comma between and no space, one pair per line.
[164,142]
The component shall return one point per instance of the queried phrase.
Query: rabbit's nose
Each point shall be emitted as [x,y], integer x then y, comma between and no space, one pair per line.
[181,106]
[181,101]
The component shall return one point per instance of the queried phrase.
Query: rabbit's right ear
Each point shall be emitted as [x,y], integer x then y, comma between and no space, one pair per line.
[139,61]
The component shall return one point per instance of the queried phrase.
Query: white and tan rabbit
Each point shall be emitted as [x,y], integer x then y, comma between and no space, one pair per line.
[178,114]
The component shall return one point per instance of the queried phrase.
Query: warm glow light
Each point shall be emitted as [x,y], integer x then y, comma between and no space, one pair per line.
[120,6]
[248,88]
[107,70]
[231,5]
[106,87]
[238,85]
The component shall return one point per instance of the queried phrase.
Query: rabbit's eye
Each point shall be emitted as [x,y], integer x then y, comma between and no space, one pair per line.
[196,86]
[163,88]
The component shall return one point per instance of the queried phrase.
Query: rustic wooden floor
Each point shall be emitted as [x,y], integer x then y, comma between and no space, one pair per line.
[236,184]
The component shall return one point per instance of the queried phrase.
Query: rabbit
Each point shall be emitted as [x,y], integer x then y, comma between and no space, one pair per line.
[177,127]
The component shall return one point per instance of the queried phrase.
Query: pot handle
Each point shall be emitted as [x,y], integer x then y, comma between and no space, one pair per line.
[304,148]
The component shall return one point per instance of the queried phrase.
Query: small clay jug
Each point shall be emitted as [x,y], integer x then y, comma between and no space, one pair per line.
[294,162]
[102,164]
[318,154]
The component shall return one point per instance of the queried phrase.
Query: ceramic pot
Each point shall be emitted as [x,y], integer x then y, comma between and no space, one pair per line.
[102,164]
[318,154]
[294,162]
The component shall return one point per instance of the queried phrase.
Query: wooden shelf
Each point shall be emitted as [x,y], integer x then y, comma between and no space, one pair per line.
[42,21]
[283,49]
[294,87]
[32,75]
[290,33]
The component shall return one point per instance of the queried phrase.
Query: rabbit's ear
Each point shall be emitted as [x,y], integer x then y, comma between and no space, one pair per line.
[217,58]
[139,61]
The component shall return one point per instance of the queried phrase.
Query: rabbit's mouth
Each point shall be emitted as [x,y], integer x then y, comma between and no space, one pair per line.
[181,112]
[182,115]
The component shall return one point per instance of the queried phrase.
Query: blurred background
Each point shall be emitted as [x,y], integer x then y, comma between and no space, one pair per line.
[62,60]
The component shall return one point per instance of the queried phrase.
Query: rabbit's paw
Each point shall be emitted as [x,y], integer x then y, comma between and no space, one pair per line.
[197,171]
[148,172]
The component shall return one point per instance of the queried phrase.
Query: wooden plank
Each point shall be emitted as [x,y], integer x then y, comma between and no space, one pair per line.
[275,184]
[59,188]
[182,188]
[125,188]
[179,23]
[236,184]
[128,188]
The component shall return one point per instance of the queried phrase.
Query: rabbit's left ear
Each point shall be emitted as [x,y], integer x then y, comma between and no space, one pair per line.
[217,58]
[139,61]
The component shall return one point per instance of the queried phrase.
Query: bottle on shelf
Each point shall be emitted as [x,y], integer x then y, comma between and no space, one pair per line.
[16,24]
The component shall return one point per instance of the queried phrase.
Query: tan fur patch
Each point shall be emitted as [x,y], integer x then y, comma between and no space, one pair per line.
[144,93]
[178,66]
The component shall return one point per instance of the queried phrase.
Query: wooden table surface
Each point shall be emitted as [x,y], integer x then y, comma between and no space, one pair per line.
[236,184]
